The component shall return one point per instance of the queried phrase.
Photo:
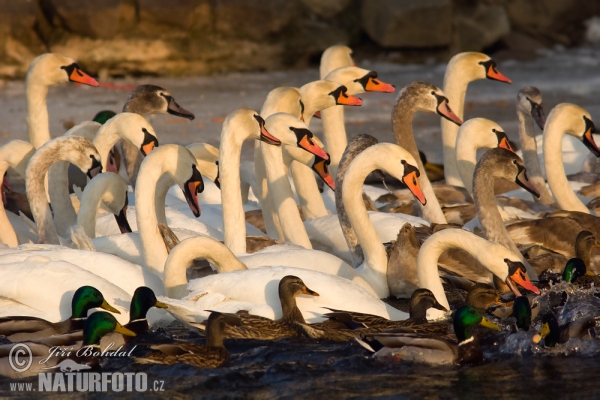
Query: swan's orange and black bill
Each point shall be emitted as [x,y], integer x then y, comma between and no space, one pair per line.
[343,98]
[217,180]
[371,84]
[321,167]
[265,136]
[121,219]
[75,74]
[149,143]
[175,109]
[444,110]
[192,187]
[304,139]
[588,138]
[95,169]
[411,180]
[518,275]
[503,140]
[492,73]
[523,181]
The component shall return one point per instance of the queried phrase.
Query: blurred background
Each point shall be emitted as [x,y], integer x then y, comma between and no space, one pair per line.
[115,38]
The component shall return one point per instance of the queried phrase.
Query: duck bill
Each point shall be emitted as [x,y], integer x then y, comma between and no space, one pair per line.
[545,331]
[412,182]
[309,292]
[526,184]
[489,324]
[175,109]
[537,112]
[122,221]
[348,100]
[95,169]
[321,167]
[444,110]
[312,148]
[160,304]
[375,85]
[521,279]
[588,140]
[504,144]
[78,76]
[438,306]
[494,74]
[108,307]
[124,331]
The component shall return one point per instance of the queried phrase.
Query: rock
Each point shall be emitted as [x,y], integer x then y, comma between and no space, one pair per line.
[93,18]
[408,23]
[326,9]
[180,14]
[253,19]
[480,27]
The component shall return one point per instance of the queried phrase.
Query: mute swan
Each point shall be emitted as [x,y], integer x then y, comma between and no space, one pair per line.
[335,57]
[575,121]
[76,150]
[462,69]
[492,256]
[255,290]
[44,71]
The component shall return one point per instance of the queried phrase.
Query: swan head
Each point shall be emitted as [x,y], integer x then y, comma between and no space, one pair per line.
[410,179]
[321,167]
[358,80]
[474,66]
[87,297]
[293,132]
[114,196]
[529,102]
[423,96]
[152,99]
[322,94]
[248,122]
[334,57]
[207,158]
[518,274]
[143,300]
[191,188]
[136,128]
[501,163]
[99,324]
[283,99]
[575,121]
[482,132]
[50,69]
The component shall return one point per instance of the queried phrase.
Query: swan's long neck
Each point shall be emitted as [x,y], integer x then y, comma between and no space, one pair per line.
[403,132]
[334,132]
[261,191]
[181,257]
[90,204]
[455,89]
[467,143]
[487,253]
[108,135]
[555,170]
[37,112]
[489,216]
[310,198]
[15,154]
[530,157]
[283,197]
[234,218]
[375,265]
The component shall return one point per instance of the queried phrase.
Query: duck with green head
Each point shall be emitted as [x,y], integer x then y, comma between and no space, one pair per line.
[522,313]
[212,355]
[432,349]
[45,357]
[19,328]
[576,272]
[552,333]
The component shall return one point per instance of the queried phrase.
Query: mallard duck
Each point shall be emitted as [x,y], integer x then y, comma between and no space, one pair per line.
[58,351]
[522,313]
[554,334]
[577,273]
[17,328]
[257,327]
[212,355]
[437,350]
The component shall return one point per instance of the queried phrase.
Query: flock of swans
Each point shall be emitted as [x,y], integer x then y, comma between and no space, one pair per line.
[173,205]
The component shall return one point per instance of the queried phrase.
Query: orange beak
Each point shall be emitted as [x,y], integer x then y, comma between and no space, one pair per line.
[588,140]
[492,73]
[375,85]
[77,75]
[266,137]
[412,182]
[147,148]
[444,110]
[505,144]
[312,148]
[348,100]
[192,198]
[520,278]
[321,168]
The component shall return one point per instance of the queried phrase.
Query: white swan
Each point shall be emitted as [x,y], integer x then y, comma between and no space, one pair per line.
[575,121]
[462,69]
[255,290]
[491,255]
[44,71]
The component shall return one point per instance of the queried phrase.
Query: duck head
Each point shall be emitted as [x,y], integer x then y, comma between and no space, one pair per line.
[467,317]
[522,312]
[99,324]
[87,297]
[143,300]
[529,102]
[422,300]
[550,331]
